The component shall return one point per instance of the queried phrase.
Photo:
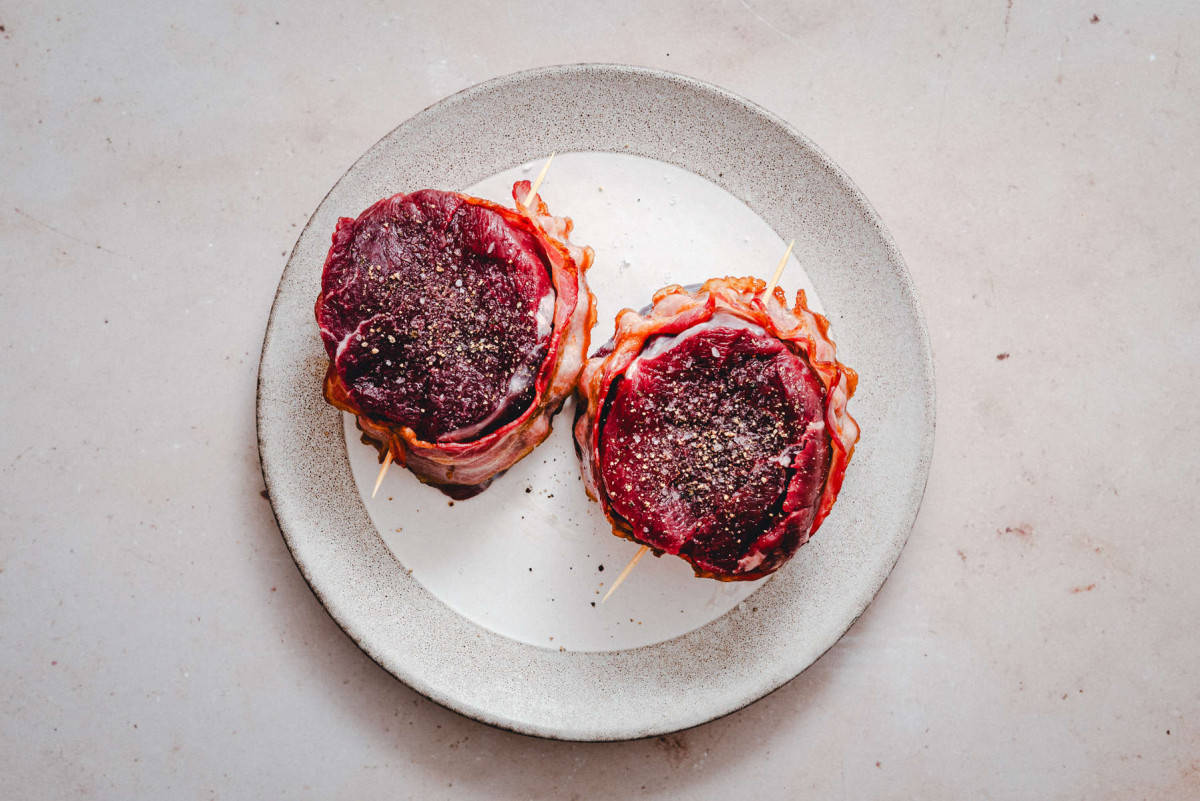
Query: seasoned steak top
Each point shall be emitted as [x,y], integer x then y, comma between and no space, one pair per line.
[437,313]
[705,436]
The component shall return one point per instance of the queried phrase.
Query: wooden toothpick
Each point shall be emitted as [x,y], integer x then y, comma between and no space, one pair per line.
[538,181]
[387,461]
[779,270]
[628,568]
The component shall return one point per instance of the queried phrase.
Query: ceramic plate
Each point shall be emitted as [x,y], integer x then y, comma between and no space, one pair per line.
[491,606]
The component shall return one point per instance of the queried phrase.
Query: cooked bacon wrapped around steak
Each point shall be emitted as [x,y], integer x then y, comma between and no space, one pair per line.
[455,328]
[715,427]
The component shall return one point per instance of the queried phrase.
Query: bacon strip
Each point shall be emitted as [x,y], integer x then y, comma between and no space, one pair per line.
[676,310]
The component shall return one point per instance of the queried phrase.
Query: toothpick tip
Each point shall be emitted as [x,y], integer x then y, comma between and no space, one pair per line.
[537,183]
[628,568]
[779,270]
[387,461]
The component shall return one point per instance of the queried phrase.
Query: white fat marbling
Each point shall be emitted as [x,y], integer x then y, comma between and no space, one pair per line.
[661,344]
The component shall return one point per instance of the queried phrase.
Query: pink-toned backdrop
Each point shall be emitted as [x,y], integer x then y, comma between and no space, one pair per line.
[1037,165]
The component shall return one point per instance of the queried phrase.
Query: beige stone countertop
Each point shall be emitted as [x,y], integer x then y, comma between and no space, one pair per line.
[1038,165]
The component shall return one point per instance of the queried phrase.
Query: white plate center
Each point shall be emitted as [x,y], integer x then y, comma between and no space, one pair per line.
[531,557]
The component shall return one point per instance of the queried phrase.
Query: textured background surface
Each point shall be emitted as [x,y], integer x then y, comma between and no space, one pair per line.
[1038,169]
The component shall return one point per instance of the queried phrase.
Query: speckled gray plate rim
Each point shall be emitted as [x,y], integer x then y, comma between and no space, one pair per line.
[793,618]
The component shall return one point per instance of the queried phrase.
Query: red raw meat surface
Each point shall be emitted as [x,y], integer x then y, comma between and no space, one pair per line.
[718,439]
[429,314]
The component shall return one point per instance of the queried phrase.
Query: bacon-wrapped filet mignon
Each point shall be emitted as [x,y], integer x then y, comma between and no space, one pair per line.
[455,328]
[715,427]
